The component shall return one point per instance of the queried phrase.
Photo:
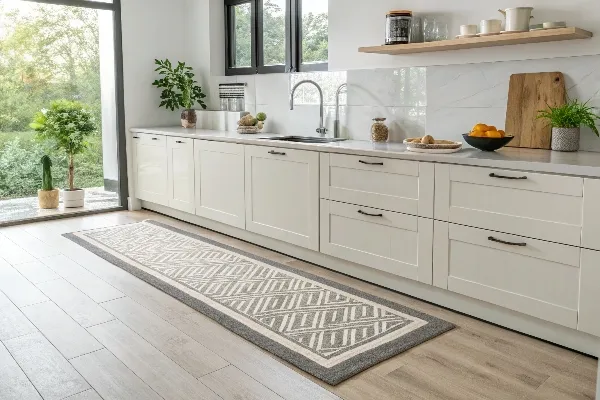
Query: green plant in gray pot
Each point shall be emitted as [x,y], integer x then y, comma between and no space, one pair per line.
[566,122]
[179,90]
[47,195]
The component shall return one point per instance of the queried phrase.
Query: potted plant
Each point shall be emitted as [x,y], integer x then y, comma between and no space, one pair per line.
[47,195]
[566,121]
[67,125]
[179,90]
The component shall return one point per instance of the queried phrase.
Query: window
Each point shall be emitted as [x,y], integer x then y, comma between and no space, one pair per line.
[265,36]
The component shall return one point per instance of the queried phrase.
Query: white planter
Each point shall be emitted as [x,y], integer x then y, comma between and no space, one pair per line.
[73,198]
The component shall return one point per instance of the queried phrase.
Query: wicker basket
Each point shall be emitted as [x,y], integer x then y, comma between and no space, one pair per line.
[248,130]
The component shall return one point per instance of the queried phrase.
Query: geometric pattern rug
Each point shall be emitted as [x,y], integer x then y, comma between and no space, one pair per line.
[325,328]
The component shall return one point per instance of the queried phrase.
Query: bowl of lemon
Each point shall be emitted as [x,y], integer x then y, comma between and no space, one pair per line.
[487,138]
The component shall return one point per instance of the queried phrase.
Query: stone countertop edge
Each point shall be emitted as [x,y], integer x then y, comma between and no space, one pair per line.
[582,163]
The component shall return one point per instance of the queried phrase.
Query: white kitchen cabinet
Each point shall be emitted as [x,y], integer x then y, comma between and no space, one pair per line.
[541,206]
[388,184]
[282,194]
[589,302]
[395,243]
[526,275]
[591,214]
[150,162]
[181,174]
[220,182]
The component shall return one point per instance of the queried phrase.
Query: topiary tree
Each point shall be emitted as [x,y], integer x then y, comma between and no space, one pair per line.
[67,124]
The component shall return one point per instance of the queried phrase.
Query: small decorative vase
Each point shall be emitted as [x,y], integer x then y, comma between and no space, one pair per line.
[48,199]
[189,118]
[379,131]
[565,139]
[73,198]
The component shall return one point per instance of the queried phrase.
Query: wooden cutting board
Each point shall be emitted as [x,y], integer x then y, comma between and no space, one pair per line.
[528,93]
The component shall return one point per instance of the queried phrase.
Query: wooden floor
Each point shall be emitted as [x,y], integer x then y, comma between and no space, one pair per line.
[74,326]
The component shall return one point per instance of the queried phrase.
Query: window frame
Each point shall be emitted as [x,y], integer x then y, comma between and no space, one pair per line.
[293,41]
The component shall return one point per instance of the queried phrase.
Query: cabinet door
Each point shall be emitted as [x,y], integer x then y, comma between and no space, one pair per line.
[591,214]
[181,174]
[220,182]
[396,243]
[589,302]
[150,168]
[282,194]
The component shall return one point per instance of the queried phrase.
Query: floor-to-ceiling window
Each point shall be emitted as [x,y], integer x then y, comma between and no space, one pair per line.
[54,50]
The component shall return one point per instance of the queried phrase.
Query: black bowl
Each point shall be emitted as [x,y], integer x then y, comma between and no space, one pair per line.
[486,143]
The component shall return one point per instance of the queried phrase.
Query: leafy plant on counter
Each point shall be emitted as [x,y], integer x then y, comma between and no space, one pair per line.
[180,90]
[573,114]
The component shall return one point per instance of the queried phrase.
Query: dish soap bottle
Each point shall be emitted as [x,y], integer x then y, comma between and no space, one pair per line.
[379,131]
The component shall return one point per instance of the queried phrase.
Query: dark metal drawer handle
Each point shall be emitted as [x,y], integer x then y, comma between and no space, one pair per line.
[136,137]
[155,138]
[493,175]
[276,153]
[493,239]
[370,163]
[180,142]
[370,215]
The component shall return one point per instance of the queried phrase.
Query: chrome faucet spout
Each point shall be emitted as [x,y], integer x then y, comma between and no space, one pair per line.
[336,122]
[321,129]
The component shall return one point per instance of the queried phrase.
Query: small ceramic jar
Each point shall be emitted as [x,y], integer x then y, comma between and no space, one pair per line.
[379,131]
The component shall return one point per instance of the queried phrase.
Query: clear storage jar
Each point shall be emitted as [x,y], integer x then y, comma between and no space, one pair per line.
[379,130]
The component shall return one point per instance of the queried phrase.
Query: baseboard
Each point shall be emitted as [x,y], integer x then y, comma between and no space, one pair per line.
[522,323]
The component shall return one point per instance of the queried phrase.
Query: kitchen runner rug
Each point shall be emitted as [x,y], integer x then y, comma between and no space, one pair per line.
[325,328]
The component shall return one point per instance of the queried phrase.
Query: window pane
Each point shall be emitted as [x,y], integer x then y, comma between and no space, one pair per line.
[242,35]
[315,31]
[274,32]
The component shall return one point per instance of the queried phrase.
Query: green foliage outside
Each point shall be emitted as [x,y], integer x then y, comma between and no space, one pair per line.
[315,30]
[47,52]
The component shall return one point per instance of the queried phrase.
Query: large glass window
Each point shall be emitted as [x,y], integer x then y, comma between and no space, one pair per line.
[48,53]
[277,35]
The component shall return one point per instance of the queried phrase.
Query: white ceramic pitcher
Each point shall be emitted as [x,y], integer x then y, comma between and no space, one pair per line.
[517,19]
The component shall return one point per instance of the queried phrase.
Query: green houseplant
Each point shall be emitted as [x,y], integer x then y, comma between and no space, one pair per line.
[67,125]
[47,195]
[566,121]
[179,90]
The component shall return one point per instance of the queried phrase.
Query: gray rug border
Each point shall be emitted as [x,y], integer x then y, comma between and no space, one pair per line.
[332,376]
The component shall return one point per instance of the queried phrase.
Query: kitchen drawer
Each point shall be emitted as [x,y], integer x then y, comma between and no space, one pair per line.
[547,207]
[537,278]
[396,243]
[150,140]
[387,184]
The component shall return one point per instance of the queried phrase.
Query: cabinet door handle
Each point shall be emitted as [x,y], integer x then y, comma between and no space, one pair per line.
[180,142]
[276,153]
[493,239]
[136,137]
[370,215]
[493,175]
[155,138]
[370,163]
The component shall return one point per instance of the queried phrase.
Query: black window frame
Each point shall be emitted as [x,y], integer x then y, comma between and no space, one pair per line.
[293,40]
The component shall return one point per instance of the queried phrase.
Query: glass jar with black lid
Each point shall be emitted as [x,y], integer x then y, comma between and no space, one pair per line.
[398,26]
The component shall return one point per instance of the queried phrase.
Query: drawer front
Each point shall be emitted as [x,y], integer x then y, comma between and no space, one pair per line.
[526,275]
[150,140]
[398,244]
[388,184]
[541,206]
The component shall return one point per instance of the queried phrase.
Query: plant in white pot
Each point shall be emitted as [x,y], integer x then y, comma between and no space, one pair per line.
[180,90]
[67,125]
[566,122]
[47,195]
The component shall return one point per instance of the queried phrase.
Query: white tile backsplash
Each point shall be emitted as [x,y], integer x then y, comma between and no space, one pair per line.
[444,101]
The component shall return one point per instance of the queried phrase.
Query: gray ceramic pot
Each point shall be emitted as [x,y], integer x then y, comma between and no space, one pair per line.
[565,139]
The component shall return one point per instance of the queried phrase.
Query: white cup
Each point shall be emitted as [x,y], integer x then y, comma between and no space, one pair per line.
[491,26]
[468,30]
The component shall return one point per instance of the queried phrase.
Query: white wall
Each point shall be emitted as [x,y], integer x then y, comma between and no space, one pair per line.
[356,23]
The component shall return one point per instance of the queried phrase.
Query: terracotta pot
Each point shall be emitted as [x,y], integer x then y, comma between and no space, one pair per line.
[189,118]
[48,199]
[73,198]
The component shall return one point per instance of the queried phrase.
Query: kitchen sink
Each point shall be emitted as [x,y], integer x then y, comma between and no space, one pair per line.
[304,139]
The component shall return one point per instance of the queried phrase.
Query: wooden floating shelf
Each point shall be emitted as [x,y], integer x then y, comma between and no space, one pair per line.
[549,35]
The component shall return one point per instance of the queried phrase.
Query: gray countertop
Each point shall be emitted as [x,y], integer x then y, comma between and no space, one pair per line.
[581,163]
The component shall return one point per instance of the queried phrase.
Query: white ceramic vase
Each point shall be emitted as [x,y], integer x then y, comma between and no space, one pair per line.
[73,198]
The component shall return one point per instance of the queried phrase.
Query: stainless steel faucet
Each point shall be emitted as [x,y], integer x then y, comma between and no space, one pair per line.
[321,130]
[336,123]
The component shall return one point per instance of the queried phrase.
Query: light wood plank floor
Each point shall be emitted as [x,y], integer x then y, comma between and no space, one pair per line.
[73,326]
